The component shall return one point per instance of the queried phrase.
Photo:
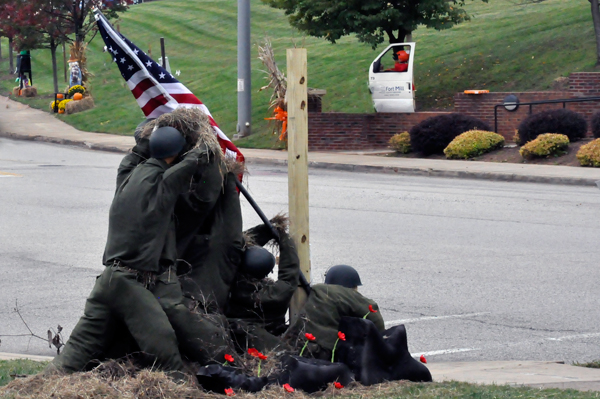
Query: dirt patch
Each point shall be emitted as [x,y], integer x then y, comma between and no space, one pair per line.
[511,155]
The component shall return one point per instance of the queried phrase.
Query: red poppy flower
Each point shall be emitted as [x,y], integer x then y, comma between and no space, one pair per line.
[337,385]
[288,387]
[229,392]
[422,359]
[261,356]
[253,352]
[309,337]
[229,358]
[371,309]
[341,336]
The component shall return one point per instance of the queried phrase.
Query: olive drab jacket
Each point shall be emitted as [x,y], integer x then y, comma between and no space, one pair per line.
[323,311]
[141,232]
[215,252]
[265,301]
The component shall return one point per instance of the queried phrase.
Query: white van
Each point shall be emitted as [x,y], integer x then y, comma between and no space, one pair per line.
[391,80]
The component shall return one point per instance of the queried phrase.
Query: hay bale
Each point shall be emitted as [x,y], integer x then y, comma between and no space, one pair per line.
[561,84]
[78,106]
[15,91]
[29,92]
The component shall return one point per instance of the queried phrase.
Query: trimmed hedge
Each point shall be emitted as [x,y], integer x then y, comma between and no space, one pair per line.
[589,154]
[401,143]
[473,143]
[596,125]
[561,121]
[545,145]
[434,134]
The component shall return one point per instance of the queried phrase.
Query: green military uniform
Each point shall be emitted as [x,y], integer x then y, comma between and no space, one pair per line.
[202,338]
[257,308]
[215,253]
[140,247]
[322,313]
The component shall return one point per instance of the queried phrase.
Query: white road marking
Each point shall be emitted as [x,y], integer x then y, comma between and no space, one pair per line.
[392,323]
[569,337]
[444,352]
[6,174]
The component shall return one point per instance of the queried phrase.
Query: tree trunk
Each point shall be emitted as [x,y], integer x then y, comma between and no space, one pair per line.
[11,64]
[53,47]
[402,33]
[596,19]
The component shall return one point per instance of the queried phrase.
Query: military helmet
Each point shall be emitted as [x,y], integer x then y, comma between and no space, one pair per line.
[258,262]
[166,142]
[343,275]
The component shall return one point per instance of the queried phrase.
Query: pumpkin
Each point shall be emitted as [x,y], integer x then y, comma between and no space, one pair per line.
[61,111]
[77,96]
[60,96]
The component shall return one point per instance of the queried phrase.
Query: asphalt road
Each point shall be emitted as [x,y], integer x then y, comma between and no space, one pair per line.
[476,270]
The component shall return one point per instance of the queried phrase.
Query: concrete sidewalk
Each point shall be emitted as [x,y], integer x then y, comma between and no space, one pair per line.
[515,373]
[19,121]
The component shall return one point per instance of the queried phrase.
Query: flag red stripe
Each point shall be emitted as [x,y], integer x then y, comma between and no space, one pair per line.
[141,87]
[153,104]
[186,98]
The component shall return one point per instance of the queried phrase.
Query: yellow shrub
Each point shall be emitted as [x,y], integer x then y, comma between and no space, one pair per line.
[473,143]
[76,89]
[545,145]
[63,104]
[589,154]
[401,143]
[52,104]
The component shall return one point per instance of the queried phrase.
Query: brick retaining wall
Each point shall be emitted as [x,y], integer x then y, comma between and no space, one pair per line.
[332,131]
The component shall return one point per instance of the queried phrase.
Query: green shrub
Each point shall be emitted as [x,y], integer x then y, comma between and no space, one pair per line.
[473,143]
[589,154]
[545,145]
[401,143]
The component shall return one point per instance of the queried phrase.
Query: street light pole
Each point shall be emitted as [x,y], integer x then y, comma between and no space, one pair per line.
[244,84]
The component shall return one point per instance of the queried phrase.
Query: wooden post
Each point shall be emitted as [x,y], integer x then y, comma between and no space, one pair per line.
[297,108]
[162,53]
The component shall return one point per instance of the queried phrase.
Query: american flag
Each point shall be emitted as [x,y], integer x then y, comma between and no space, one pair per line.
[156,91]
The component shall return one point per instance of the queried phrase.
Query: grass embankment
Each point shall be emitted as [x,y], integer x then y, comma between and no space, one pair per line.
[505,47]
[147,384]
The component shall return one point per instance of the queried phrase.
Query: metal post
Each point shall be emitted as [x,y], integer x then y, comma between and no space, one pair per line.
[244,85]
[65,60]
[162,52]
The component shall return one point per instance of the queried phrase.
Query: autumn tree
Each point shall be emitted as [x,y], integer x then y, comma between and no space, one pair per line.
[8,11]
[39,27]
[371,20]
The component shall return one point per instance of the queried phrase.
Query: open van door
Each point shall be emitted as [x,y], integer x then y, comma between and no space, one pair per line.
[391,81]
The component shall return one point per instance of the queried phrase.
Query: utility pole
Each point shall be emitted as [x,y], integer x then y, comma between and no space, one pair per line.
[244,87]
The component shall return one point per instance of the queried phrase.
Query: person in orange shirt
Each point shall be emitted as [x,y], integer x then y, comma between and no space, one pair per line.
[400,62]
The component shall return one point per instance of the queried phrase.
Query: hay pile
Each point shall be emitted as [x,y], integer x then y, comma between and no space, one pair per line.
[150,384]
[30,91]
[78,106]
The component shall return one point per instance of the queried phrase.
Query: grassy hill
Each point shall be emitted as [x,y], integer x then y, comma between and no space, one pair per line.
[505,47]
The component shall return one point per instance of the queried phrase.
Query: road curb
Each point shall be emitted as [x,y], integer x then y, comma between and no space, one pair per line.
[62,141]
[431,172]
[17,356]
[398,170]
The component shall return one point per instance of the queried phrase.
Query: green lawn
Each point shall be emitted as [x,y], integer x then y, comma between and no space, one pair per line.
[505,47]
[10,368]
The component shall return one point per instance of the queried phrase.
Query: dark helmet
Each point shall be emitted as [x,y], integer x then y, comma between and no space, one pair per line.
[137,135]
[258,262]
[343,275]
[166,142]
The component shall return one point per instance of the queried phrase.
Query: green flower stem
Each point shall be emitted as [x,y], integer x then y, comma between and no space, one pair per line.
[333,352]
[365,316]
[304,347]
[259,362]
